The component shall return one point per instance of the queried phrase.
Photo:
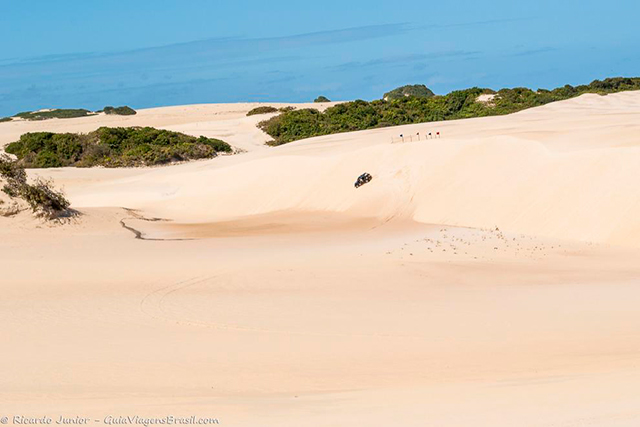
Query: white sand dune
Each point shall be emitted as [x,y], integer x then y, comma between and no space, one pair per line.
[486,278]
[228,122]
[566,170]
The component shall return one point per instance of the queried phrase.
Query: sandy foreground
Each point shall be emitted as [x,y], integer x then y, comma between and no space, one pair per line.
[486,278]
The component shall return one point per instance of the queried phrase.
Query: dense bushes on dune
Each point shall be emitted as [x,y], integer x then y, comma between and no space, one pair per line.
[360,115]
[112,147]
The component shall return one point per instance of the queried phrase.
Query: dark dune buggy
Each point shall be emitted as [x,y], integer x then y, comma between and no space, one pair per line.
[363,179]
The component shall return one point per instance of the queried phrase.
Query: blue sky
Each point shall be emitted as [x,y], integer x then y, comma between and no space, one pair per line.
[147,53]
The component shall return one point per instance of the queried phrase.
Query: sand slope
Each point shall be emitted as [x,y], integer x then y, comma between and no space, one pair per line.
[276,294]
[566,170]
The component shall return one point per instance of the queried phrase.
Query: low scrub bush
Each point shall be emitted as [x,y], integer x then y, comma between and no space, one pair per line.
[119,111]
[43,199]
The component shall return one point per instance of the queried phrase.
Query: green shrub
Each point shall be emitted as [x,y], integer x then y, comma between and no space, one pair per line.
[322,99]
[418,91]
[112,147]
[41,196]
[400,109]
[5,119]
[47,150]
[10,170]
[44,199]
[120,111]
[217,144]
[287,126]
[262,110]
[47,159]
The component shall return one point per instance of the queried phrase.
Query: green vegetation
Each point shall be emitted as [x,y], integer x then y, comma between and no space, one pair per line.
[322,99]
[120,111]
[112,147]
[266,109]
[5,119]
[418,91]
[63,113]
[461,104]
[43,199]
[54,114]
